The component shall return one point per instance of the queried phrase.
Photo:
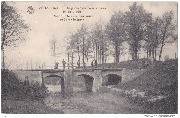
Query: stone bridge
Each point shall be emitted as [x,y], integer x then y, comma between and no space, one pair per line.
[94,77]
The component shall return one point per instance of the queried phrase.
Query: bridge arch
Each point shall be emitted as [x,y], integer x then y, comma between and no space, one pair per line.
[88,81]
[55,80]
[111,79]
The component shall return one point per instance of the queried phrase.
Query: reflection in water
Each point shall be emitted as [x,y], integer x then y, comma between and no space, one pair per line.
[54,88]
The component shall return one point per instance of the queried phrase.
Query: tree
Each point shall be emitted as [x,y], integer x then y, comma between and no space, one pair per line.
[79,43]
[75,43]
[115,31]
[74,47]
[136,18]
[99,42]
[96,34]
[156,25]
[53,47]
[82,32]
[168,31]
[13,28]
[152,36]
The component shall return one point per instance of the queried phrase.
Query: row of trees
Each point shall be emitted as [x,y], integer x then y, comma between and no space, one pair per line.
[137,27]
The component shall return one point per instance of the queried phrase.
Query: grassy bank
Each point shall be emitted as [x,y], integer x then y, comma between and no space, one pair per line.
[25,106]
[22,97]
[156,79]
[156,89]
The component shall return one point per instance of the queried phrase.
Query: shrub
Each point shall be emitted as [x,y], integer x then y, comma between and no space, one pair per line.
[12,87]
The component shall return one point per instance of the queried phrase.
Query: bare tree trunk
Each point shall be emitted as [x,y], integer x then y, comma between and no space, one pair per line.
[162,44]
[155,53]
[72,61]
[102,54]
[2,48]
[135,51]
[102,46]
[117,52]
[96,51]
[79,56]
[3,56]
[150,53]
[94,54]
[135,46]
[83,53]
[155,49]
[68,60]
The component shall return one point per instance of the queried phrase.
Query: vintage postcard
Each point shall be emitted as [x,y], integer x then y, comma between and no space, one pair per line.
[89,57]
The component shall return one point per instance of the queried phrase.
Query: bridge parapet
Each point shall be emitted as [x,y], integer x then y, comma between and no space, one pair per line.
[112,69]
[83,70]
[52,70]
[93,69]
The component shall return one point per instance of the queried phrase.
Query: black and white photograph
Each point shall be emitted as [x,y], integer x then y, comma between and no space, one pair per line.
[89,57]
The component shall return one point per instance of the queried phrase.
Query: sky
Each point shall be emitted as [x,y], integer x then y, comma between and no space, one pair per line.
[46,26]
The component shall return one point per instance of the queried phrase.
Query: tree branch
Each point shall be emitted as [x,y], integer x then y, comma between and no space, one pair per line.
[10,34]
[3,38]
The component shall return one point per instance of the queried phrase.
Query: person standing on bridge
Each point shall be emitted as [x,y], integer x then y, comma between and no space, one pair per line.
[56,65]
[64,64]
[92,63]
[78,63]
[95,63]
